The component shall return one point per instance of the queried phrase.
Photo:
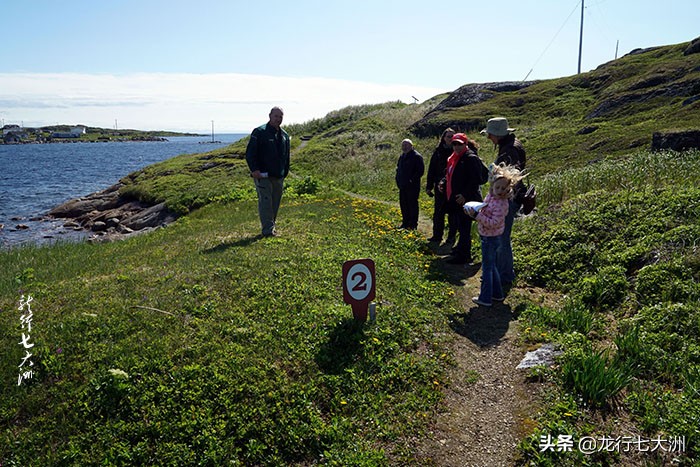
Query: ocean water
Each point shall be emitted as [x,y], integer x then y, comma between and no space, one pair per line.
[34,178]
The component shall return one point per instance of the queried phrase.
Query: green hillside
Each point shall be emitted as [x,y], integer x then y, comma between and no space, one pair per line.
[205,344]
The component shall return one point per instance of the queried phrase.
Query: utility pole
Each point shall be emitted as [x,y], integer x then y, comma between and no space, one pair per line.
[580,41]
[616,46]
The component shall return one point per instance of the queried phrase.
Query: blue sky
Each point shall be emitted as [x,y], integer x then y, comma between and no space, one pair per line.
[178,65]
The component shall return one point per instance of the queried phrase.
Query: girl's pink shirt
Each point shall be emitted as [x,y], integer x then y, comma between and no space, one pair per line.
[492,217]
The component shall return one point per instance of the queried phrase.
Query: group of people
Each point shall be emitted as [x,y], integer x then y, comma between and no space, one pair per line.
[454,180]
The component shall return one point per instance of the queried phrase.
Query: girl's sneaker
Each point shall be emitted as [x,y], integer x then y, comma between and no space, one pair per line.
[480,302]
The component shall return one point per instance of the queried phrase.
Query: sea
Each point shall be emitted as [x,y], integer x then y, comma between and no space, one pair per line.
[34,178]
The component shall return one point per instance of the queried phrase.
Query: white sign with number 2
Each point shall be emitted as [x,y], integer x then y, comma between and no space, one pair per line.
[359,281]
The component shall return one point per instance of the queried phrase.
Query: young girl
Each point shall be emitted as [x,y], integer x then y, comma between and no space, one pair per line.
[491,220]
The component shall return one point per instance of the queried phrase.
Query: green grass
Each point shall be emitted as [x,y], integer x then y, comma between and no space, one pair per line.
[232,356]
[624,248]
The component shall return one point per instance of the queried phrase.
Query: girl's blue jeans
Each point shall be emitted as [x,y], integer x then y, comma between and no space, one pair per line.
[490,279]
[505,250]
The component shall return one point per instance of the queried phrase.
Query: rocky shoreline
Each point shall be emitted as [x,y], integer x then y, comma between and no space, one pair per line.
[108,216]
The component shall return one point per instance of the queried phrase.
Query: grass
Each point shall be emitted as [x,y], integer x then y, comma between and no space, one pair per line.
[202,344]
[625,251]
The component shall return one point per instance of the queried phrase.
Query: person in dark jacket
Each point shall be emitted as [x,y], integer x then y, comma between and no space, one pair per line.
[267,156]
[409,170]
[510,152]
[465,174]
[436,172]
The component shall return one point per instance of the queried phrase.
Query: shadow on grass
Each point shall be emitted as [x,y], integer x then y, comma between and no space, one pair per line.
[242,242]
[483,326]
[455,274]
[343,348]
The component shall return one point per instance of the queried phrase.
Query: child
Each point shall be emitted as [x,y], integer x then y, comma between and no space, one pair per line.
[491,219]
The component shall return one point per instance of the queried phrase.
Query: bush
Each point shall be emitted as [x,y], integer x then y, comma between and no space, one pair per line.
[604,290]
[666,282]
[595,377]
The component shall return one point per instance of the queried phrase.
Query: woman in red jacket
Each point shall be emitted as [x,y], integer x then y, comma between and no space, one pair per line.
[464,175]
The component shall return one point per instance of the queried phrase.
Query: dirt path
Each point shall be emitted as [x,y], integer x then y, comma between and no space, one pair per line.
[488,403]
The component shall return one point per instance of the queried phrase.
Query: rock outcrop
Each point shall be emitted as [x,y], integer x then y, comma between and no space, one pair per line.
[693,48]
[109,214]
[465,95]
[676,141]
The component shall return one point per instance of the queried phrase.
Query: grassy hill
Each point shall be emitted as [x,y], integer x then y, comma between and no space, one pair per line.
[203,344]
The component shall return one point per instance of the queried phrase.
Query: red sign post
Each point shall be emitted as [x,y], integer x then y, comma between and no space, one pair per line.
[359,286]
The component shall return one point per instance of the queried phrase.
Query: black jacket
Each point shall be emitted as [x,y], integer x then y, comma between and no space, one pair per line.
[268,151]
[468,175]
[512,152]
[437,166]
[409,170]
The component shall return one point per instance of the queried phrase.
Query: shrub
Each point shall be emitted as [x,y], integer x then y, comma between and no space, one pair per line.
[665,282]
[595,377]
[605,289]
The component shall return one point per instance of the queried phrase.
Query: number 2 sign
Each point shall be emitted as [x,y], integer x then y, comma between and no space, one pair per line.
[358,286]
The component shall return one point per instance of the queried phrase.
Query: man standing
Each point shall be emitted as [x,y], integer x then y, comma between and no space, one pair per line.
[409,171]
[268,160]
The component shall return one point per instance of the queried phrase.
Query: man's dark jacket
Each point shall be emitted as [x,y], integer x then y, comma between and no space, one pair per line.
[409,170]
[268,151]
[512,152]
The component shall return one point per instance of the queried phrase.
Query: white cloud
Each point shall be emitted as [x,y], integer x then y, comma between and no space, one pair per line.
[183,102]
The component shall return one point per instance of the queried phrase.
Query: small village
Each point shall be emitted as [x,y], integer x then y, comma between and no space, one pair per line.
[16,134]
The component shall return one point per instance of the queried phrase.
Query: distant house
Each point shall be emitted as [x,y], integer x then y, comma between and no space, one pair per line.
[11,138]
[78,130]
[13,134]
[7,129]
[75,132]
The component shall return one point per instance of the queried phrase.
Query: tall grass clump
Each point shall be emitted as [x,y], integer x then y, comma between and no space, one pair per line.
[640,171]
[595,376]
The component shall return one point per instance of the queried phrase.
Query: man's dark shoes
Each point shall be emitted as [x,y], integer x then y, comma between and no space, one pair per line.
[435,239]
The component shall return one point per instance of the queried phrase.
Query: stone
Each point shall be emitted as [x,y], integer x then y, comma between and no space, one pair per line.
[113,222]
[545,355]
[99,226]
[466,95]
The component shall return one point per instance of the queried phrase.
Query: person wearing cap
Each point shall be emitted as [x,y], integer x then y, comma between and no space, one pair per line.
[464,175]
[510,152]
[267,156]
[409,170]
[436,172]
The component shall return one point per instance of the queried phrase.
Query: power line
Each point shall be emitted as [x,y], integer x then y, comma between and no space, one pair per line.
[553,39]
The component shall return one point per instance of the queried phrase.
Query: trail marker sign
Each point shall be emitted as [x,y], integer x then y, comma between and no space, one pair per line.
[359,286]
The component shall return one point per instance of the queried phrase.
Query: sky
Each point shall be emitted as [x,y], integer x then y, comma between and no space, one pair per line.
[187,65]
